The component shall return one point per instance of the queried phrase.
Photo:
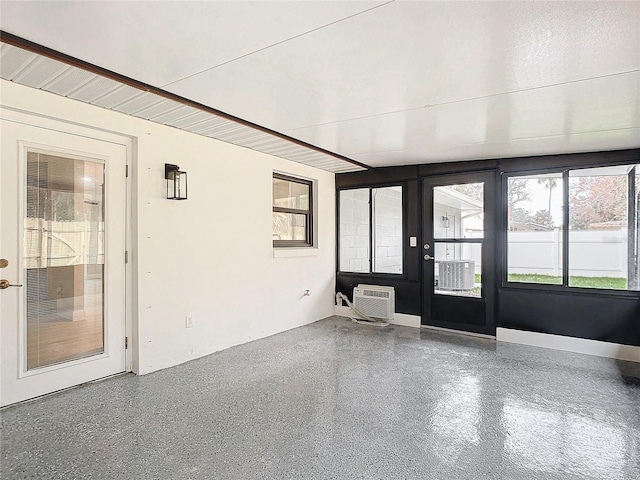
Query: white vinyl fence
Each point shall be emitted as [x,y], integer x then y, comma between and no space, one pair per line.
[592,253]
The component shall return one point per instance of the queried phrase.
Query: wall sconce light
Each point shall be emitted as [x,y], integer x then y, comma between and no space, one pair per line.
[445,221]
[176,182]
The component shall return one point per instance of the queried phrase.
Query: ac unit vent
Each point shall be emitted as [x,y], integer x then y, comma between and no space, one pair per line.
[375,293]
[375,301]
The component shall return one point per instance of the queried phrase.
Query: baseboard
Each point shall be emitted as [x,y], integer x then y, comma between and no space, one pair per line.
[569,344]
[403,319]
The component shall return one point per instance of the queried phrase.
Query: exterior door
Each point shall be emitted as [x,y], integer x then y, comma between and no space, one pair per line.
[458,252]
[62,215]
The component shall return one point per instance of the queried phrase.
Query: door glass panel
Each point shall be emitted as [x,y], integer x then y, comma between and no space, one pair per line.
[63,259]
[458,211]
[458,268]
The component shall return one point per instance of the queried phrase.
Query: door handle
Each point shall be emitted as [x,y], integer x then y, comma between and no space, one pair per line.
[4,284]
[428,257]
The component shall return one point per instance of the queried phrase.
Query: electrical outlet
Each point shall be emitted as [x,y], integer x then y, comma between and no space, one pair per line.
[188,321]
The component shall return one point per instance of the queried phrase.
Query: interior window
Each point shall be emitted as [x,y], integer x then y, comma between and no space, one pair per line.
[292,212]
[603,228]
[371,233]
[354,241]
[599,211]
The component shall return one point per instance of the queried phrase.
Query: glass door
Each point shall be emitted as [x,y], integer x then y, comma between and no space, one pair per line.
[458,252]
[63,213]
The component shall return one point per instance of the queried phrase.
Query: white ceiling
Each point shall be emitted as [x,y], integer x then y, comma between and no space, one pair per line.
[383,83]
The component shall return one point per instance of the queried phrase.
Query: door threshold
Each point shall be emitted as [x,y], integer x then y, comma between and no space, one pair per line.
[460,332]
[40,397]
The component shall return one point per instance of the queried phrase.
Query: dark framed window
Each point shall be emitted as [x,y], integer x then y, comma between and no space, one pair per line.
[292,211]
[575,228]
[371,235]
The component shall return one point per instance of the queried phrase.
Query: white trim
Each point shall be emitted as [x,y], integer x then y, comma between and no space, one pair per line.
[36,119]
[403,319]
[286,252]
[78,142]
[406,320]
[569,344]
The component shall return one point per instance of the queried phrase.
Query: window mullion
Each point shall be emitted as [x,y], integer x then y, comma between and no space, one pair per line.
[565,228]
[291,210]
[371,242]
[632,229]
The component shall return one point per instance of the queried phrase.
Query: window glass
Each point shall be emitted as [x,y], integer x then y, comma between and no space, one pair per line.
[289,226]
[288,194]
[354,230]
[535,220]
[387,229]
[64,238]
[603,228]
[366,247]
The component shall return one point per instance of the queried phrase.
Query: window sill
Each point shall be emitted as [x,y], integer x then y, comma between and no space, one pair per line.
[285,252]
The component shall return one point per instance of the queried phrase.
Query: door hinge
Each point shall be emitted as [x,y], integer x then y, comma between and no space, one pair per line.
[126,256]
[126,171]
[126,342]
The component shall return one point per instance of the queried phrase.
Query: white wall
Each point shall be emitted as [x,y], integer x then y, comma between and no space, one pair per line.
[211,256]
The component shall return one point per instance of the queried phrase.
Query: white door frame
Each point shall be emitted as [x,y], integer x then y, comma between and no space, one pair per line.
[59,125]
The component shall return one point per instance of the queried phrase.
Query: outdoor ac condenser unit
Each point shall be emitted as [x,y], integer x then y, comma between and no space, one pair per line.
[456,274]
[375,301]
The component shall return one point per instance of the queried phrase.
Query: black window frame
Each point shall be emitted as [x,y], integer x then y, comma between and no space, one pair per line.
[308,241]
[371,187]
[564,286]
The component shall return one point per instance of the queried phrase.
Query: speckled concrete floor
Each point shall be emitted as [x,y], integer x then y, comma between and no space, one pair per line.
[338,400]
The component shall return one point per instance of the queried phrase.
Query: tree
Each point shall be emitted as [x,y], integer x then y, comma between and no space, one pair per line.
[550,183]
[543,218]
[597,200]
[473,190]
[521,215]
[517,192]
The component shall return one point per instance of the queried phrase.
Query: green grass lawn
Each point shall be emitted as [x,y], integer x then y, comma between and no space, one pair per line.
[588,282]
[609,283]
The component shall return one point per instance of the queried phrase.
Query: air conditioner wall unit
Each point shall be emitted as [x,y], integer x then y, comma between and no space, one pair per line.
[375,301]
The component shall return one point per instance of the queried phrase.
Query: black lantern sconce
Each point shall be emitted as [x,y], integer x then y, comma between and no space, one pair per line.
[176,182]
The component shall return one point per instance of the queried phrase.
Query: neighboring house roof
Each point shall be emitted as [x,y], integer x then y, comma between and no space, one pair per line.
[452,198]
